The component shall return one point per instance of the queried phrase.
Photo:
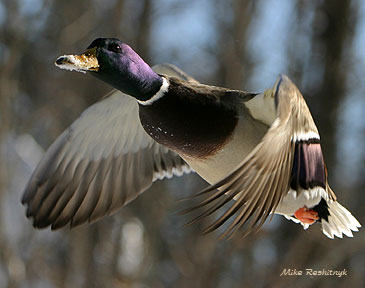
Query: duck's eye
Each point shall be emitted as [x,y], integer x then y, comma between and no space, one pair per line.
[115,48]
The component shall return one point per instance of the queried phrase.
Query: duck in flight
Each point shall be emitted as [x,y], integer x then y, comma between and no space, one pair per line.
[260,153]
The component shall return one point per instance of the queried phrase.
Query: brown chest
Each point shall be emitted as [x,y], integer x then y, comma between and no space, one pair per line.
[192,129]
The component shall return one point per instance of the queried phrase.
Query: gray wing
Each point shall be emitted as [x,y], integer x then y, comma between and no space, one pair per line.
[104,160]
[262,179]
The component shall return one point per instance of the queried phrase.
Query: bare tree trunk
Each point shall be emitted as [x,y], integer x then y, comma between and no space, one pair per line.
[143,38]
[332,31]
[233,59]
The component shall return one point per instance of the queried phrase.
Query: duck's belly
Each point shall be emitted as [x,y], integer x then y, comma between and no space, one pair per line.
[245,137]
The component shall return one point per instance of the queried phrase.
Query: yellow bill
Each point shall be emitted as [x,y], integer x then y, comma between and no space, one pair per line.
[81,63]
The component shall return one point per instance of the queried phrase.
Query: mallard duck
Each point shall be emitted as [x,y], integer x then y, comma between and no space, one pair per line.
[259,151]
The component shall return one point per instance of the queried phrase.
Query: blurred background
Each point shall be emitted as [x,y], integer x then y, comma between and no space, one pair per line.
[233,43]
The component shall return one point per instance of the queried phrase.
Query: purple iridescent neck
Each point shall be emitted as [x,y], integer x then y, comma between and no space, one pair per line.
[125,70]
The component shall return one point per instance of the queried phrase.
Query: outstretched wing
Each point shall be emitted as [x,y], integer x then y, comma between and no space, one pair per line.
[104,160]
[263,178]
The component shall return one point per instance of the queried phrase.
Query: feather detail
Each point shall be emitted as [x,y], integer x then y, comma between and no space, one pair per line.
[283,173]
[340,221]
[104,160]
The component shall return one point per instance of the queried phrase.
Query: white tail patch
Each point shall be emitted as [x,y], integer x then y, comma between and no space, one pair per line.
[292,201]
[340,221]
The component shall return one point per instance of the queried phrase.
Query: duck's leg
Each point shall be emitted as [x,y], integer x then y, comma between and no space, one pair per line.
[306,215]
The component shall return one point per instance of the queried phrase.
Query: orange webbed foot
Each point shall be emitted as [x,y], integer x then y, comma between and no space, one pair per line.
[306,215]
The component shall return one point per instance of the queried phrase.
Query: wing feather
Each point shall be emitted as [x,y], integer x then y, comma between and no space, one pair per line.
[104,160]
[262,179]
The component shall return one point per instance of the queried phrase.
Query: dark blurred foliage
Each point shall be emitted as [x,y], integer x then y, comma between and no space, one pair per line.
[234,43]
